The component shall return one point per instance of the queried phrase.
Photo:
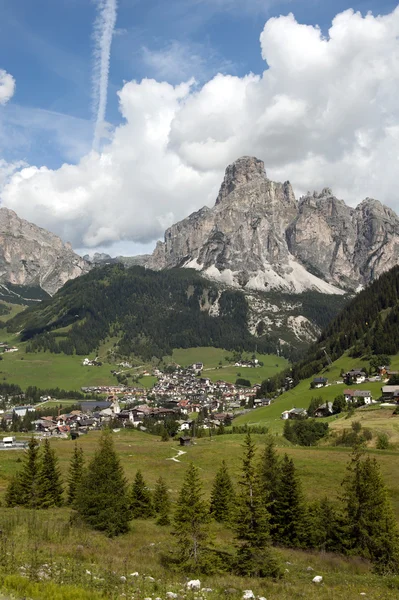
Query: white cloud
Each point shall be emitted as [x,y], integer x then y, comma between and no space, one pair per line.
[325,113]
[7,86]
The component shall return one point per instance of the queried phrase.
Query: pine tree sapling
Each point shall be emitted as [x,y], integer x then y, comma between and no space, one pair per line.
[49,487]
[162,502]
[75,474]
[222,496]
[141,500]
[190,523]
[102,498]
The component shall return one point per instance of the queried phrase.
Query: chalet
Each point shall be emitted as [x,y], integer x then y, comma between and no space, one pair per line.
[325,410]
[358,395]
[262,402]
[355,376]
[319,382]
[294,413]
[390,391]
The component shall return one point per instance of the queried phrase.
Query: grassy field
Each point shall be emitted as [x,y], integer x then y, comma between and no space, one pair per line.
[217,367]
[301,395]
[47,370]
[58,542]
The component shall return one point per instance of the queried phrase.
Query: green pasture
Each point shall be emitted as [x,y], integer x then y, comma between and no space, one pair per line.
[212,357]
[301,395]
[77,549]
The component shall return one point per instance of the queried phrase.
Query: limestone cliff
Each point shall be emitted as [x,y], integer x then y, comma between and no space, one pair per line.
[32,256]
[258,237]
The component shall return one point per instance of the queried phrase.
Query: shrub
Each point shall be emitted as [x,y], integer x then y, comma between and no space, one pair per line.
[382,441]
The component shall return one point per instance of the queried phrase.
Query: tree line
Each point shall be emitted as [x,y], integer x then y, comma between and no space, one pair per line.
[265,510]
[151,313]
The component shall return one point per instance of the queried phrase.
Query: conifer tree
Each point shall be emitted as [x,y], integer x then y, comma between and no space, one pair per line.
[162,502]
[326,526]
[13,493]
[290,509]
[371,525]
[102,498]
[190,523]
[75,474]
[222,495]
[254,555]
[141,501]
[28,478]
[49,487]
[270,475]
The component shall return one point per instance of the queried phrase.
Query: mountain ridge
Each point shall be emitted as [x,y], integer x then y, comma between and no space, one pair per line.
[259,237]
[34,257]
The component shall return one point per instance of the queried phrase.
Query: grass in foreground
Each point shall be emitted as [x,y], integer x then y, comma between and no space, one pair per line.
[50,538]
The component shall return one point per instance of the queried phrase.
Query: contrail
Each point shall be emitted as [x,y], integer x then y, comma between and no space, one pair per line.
[103,31]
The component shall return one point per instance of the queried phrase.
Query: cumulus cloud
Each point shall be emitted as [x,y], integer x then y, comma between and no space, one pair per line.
[7,86]
[323,113]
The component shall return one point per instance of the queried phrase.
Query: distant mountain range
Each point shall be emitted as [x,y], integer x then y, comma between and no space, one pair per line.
[295,261]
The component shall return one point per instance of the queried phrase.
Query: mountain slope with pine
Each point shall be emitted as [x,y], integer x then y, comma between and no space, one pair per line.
[367,326]
[150,313]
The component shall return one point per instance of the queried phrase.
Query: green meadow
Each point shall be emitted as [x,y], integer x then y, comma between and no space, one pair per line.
[47,370]
[301,395]
[217,367]
[56,540]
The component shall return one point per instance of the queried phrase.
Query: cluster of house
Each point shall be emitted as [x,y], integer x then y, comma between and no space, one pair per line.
[353,396]
[174,395]
[87,362]
[6,348]
[252,364]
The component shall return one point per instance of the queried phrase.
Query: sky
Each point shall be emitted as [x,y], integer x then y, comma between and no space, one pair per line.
[119,117]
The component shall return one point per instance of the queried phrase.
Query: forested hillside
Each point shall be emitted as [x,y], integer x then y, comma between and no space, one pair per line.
[368,325]
[148,313]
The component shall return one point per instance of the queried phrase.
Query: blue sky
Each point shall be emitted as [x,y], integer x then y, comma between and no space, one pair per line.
[47,46]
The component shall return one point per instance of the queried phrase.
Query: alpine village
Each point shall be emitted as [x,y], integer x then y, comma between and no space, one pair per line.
[199,359]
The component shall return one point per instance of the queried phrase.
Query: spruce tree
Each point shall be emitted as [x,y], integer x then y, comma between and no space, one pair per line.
[190,523]
[162,502]
[49,487]
[254,555]
[141,501]
[75,474]
[28,478]
[222,496]
[290,509]
[371,525]
[102,498]
[13,494]
[270,476]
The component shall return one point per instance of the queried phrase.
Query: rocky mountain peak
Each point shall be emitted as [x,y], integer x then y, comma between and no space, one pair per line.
[258,237]
[32,256]
[244,170]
